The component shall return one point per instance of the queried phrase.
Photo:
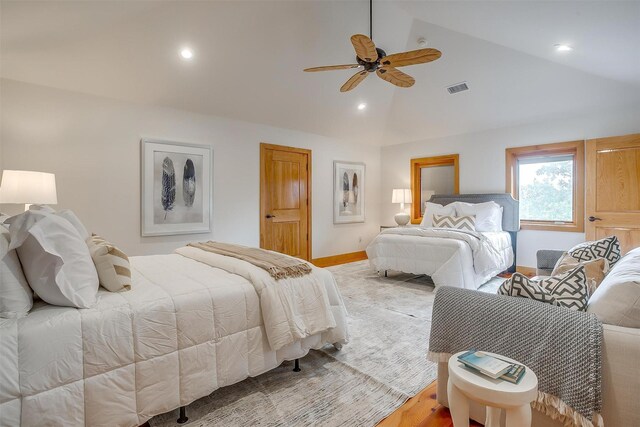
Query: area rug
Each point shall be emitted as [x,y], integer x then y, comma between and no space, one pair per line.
[382,366]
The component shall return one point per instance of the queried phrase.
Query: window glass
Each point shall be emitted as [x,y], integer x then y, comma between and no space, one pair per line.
[545,188]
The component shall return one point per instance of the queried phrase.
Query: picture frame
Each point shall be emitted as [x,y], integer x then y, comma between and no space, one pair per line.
[348,192]
[177,188]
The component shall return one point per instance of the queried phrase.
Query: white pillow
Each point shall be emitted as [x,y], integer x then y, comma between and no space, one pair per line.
[488,214]
[16,298]
[55,259]
[432,209]
[75,221]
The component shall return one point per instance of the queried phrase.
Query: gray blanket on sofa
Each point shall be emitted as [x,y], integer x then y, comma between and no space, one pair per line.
[563,347]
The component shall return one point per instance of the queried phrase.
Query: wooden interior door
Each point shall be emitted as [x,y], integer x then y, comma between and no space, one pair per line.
[285,200]
[613,189]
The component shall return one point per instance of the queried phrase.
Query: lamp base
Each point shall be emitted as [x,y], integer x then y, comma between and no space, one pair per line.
[402,218]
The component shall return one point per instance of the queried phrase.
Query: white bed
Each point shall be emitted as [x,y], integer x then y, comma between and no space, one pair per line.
[184,330]
[450,257]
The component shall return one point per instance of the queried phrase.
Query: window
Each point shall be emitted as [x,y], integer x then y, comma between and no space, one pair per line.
[548,180]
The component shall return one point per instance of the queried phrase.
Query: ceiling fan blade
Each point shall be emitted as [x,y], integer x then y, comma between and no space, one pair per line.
[365,49]
[395,76]
[413,57]
[333,67]
[354,81]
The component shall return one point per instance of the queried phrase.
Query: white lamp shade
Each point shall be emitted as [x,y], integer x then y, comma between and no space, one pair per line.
[27,187]
[401,195]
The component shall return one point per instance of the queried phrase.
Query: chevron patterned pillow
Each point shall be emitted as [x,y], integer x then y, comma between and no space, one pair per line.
[607,248]
[457,222]
[569,290]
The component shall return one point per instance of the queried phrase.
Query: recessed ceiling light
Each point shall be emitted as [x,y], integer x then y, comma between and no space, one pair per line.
[186,53]
[563,48]
[362,106]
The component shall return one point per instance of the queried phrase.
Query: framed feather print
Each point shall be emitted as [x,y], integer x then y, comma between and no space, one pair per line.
[177,182]
[348,192]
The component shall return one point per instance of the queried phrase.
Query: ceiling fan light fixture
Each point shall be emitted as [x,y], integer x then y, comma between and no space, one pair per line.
[362,106]
[371,59]
[421,42]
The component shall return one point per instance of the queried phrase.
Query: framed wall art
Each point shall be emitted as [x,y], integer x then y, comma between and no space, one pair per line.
[348,192]
[177,183]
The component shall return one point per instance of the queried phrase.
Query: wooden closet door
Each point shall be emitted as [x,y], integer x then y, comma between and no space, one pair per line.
[285,192]
[613,189]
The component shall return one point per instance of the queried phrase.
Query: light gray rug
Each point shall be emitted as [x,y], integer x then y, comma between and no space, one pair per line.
[383,365]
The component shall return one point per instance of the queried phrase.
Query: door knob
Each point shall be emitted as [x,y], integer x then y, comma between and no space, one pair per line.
[594,218]
[270,216]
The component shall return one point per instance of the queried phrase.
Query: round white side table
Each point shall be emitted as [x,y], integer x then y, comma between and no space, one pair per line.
[465,384]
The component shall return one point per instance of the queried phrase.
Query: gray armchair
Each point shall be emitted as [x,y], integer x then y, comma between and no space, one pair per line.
[547,259]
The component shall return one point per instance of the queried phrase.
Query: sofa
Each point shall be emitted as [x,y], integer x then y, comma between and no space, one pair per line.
[616,302]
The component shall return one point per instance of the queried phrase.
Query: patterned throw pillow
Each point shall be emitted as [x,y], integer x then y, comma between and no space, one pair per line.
[607,248]
[114,270]
[521,286]
[457,222]
[568,290]
[595,269]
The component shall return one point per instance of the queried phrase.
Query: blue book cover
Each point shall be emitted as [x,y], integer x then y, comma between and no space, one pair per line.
[488,365]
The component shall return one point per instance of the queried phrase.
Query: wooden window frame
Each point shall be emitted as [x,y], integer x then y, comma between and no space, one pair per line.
[416,182]
[573,148]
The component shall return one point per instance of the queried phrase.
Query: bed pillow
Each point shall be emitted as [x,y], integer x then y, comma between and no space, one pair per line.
[488,214]
[607,248]
[595,269]
[114,270]
[75,221]
[568,290]
[435,209]
[16,298]
[55,259]
[455,222]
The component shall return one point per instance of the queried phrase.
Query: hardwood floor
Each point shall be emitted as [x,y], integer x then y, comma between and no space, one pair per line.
[422,410]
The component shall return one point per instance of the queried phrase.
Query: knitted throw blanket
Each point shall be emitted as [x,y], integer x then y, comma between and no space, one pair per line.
[279,266]
[562,346]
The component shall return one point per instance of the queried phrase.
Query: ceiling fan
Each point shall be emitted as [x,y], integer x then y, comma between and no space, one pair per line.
[371,58]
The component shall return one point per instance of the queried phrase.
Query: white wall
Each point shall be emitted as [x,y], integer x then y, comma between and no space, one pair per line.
[482,163]
[92,144]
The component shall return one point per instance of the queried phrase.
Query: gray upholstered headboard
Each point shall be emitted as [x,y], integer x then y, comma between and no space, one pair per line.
[510,214]
[511,210]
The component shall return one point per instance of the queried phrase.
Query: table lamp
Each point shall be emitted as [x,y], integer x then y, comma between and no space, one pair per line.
[28,187]
[402,196]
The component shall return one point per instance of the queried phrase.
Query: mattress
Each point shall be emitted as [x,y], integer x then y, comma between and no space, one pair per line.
[184,330]
[448,257]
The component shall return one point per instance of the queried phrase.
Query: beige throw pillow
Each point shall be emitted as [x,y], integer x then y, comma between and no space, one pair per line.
[594,269]
[114,269]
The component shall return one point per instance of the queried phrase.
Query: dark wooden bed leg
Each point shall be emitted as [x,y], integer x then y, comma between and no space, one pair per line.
[385,273]
[296,367]
[183,416]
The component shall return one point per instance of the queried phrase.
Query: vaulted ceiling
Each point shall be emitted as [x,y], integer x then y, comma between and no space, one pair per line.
[249,58]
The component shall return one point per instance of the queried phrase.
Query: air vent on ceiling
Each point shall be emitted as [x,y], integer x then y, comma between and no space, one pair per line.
[458,87]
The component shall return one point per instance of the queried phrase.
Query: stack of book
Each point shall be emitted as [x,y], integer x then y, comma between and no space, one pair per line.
[492,366]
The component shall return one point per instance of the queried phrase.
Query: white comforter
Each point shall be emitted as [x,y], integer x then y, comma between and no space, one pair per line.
[451,257]
[292,308]
[184,330]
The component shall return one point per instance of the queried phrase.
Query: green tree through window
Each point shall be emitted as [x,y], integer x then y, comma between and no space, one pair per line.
[546,189]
